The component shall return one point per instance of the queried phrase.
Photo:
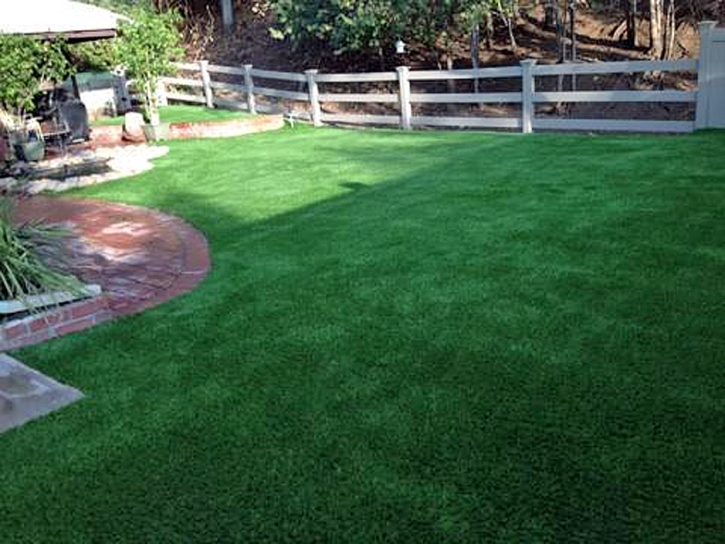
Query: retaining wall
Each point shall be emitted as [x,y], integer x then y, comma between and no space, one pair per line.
[111,135]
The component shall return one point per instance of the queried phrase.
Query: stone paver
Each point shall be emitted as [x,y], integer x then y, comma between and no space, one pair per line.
[26,394]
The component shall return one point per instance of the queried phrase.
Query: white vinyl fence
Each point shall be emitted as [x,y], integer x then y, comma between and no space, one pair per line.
[214,84]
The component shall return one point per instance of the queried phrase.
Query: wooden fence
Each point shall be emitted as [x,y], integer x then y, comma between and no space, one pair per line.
[215,83]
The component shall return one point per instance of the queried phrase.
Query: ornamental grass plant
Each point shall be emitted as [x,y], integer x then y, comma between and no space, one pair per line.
[32,257]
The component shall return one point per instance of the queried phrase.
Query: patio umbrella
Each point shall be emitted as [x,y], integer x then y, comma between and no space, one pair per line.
[74,21]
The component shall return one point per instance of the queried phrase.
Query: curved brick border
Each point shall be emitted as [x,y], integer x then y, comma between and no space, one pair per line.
[52,323]
[140,257]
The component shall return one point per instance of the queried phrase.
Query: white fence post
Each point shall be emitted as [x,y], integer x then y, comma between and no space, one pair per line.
[206,80]
[527,95]
[314,92]
[704,74]
[406,111]
[249,84]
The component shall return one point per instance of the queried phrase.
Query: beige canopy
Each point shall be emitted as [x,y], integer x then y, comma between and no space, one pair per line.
[74,21]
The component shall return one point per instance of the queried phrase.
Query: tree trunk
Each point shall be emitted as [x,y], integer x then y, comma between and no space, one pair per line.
[560,45]
[510,27]
[560,32]
[475,46]
[670,31]
[572,34]
[550,15]
[227,10]
[632,24]
[449,66]
[656,25]
[489,29]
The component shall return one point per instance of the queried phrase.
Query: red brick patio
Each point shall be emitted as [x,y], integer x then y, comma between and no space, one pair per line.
[140,257]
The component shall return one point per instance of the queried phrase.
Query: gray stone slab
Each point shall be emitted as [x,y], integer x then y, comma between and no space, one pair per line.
[26,394]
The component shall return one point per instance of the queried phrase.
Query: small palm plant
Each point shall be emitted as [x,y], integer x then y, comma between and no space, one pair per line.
[30,258]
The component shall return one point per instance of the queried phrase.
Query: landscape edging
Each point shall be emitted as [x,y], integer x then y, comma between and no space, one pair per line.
[112,135]
[41,326]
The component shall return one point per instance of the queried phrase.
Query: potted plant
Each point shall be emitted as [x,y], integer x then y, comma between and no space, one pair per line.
[31,276]
[147,45]
[25,138]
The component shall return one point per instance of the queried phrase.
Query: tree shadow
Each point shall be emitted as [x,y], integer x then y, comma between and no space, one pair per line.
[354,186]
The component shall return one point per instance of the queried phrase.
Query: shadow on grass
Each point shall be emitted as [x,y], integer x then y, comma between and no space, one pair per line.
[353,186]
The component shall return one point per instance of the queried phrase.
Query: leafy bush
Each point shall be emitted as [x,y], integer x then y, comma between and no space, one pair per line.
[98,56]
[344,25]
[26,254]
[26,65]
[146,47]
[372,26]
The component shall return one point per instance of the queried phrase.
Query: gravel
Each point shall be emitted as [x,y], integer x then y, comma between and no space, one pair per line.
[123,161]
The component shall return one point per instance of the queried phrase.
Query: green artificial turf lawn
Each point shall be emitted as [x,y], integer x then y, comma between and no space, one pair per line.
[423,337]
[183,114]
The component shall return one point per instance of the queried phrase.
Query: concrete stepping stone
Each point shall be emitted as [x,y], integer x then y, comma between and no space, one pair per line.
[26,394]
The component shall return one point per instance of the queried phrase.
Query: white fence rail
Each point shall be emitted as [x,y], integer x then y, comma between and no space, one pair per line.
[308,91]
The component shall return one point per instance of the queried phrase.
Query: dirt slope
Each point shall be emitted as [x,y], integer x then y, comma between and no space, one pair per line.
[251,42]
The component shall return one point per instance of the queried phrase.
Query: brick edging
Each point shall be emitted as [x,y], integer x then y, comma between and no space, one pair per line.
[195,267]
[44,325]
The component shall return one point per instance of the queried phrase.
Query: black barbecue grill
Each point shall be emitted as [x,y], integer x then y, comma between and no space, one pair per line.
[63,117]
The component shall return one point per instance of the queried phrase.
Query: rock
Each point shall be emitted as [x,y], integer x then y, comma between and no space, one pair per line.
[7,183]
[133,120]
[121,161]
[133,128]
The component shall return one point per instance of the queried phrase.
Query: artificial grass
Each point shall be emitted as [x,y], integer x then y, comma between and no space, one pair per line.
[183,114]
[427,337]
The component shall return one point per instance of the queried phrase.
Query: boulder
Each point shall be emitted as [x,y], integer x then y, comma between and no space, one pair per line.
[133,128]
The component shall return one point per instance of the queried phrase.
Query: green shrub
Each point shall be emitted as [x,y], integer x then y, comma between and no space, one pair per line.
[26,254]
[99,56]
[372,26]
[26,65]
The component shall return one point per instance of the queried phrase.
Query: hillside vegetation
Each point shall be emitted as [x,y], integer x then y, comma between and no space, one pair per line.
[361,34]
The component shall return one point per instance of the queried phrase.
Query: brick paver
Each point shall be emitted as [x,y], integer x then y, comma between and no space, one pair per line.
[140,257]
